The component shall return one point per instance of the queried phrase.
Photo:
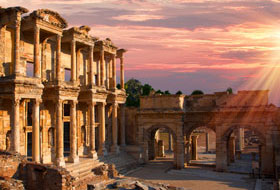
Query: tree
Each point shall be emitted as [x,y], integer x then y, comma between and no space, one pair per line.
[179,92]
[159,92]
[146,89]
[197,92]
[166,92]
[229,90]
[118,86]
[133,89]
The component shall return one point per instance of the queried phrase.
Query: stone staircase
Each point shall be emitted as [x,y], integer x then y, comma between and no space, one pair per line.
[82,172]
[123,162]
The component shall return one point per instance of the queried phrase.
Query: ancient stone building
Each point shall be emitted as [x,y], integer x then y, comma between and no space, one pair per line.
[58,95]
[225,114]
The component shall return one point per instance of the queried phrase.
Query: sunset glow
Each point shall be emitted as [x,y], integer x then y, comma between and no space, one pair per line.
[185,44]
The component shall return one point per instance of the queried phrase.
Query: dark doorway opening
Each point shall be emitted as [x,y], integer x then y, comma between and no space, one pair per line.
[29,144]
[66,139]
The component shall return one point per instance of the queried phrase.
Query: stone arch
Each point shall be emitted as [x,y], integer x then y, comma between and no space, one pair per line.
[149,137]
[190,128]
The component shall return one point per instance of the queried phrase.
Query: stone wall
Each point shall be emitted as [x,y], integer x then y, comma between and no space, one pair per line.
[5,133]
[130,125]
[45,177]
[162,102]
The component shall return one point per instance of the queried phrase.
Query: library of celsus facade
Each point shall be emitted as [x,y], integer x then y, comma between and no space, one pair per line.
[58,95]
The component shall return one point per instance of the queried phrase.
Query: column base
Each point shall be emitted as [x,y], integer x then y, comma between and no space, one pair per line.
[102,151]
[122,147]
[74,159]
[60,162]
[93,154]
[115,149]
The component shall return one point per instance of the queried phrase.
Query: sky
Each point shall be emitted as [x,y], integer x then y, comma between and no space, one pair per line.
[185,44]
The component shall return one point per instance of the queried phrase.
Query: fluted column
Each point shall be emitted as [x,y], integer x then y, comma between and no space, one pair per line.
[122,123]
[101,111]
[92,152]
[17,47]
[91,77]
[36,131]
[107,74]
[73,61]
[115,147]
[102,69]
[37,72]
[58,58]
[59,135]
[122,72]
[74,158]
[114,83]
[16,127]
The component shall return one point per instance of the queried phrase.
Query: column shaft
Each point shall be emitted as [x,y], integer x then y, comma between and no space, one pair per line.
[91,77]
[107,74]
[16,127]
[114,83]
[122,72]
[194,147]
[73,134]
[36,132]
[73,61]
[207,142]
[92,152]
[59,135]
[122,127]
[115,147]
[36,52]
[231,149]
[102,69]
[17,47]
[102,149]
[58,60]
[169,141]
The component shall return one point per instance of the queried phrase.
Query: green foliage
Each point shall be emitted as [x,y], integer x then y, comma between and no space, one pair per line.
[133,89]
[197,92]
[166,92]
[179,92]
[159,92]
[229,90]
[146,89]
[118,86]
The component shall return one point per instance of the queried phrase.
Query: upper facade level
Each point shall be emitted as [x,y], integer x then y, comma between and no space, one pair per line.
[207,102]
[39,47]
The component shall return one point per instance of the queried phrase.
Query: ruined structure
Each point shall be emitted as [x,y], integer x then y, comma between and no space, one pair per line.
[58,95]
[221,112]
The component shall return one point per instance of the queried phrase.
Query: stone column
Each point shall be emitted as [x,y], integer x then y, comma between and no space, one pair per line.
[170,141]
[91,77]
[194,147]
[240,139]
[188,151]
[17,47]
[114,83]
[102,69]
[59,135]
[107,74]
[58,59]
[92,152]
[207,142]
[179,150]
[16,126]
[115,147]
[74,158]
[122,127]
[101,112]
[122,72]
[36,131]
[37,69]
[73,61]
[231,149]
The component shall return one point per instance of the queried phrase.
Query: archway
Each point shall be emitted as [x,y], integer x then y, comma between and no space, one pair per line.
[256,154]
[200,146]
[161,143]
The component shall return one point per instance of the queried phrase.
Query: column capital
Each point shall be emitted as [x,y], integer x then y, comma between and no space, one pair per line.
[37,28]
[102,103]
[17,23]
[38,101]
[92,103]
[73,103]
[16,101]
[115,104]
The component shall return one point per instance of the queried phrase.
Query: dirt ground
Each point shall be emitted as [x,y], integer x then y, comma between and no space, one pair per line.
[194,178]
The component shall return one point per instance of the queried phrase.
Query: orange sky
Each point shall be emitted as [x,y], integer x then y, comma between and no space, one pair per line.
[185,44]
